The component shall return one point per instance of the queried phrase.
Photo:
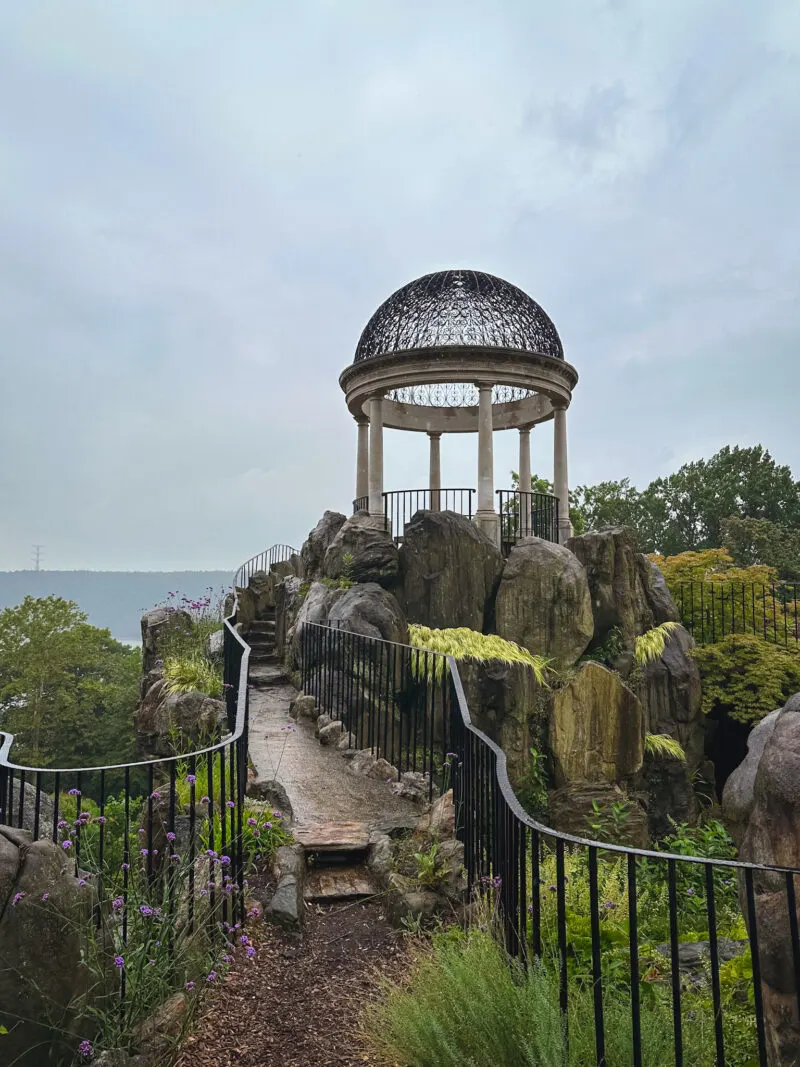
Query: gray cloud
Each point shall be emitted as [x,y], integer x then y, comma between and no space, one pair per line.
[200,207]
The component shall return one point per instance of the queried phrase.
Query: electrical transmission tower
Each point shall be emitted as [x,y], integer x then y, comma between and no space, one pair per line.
[37,556]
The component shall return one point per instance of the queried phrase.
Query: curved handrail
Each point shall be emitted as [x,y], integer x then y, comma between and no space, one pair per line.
[263,561]
[510,797]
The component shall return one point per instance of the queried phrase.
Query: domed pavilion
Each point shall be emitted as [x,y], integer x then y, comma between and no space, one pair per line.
[460,351]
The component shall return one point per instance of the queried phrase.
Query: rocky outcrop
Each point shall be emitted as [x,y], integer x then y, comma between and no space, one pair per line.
[670,795]
[772,836]
[449,571]
[738,796]
[371,611]
[312,554]
[503,702]
[164,719]
[625,593]
[363,551]
[596,729]
[315,608]
[571,809]
[157,626]
[43,913]
[670,692]
[46,809]
[288,601]
[543,602]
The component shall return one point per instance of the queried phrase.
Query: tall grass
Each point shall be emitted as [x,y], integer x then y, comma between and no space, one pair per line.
[463,643]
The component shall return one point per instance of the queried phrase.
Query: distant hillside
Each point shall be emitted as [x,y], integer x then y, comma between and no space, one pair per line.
[113,599]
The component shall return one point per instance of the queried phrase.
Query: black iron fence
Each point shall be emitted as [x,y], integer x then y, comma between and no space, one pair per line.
[401,505]
[526,515]
[162,838]
[712,610]
[361,503]
[263,562]
[607,921]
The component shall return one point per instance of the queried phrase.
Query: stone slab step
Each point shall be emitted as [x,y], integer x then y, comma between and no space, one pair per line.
[262,626]
[333,837]
[338,883]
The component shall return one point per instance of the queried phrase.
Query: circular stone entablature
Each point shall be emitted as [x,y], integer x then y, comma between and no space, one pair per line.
[433,342]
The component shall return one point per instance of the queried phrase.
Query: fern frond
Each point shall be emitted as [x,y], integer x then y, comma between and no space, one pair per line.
[665,746]
[651,645]
[463,643]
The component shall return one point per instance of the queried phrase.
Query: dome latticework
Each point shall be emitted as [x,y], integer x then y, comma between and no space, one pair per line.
[459,307]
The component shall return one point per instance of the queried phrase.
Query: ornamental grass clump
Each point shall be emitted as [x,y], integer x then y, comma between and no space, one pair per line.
[193,672]
[664,746]
[462,643]
[650,646]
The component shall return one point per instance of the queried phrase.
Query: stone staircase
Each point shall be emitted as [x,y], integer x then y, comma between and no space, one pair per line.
[335,859]
[261,639]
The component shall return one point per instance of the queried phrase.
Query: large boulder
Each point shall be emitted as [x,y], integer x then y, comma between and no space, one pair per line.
[371,611]
[158,626]
[596,729]
[670,793]
[449,571]
[44,919]
[669,689]
[543,602]
[46,809]
[312,553]
[373,554]
[738,796]
[315,608]
[166,720]
[288,601]
[772,836]
[504,700]
[625,594]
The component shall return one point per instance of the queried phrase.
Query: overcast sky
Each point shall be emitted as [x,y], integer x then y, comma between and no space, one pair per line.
[202,203]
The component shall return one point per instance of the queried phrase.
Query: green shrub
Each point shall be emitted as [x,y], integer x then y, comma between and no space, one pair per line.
[193,672]
[465,1005]
[746,677]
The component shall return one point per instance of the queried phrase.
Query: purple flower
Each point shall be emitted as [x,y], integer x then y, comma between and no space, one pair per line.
[189,987]
[74,792]
[45,896]
[17,898]
[211,976]
[244,940]
[610,905]
[119,962]
[252,822]
[146,910]
[224,860]
[62,823]
[229,804]
[155,795]
[170,836]
[250,952]
[85,1050]
[144,852]
[204,800]
[160,662]
[191,779]
[227,959]
[101,819]
[117,903]
[124,866]
[82,882]
[66,845]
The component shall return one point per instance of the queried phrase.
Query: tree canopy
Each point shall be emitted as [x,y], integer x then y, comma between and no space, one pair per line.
[740,499]
[68,690]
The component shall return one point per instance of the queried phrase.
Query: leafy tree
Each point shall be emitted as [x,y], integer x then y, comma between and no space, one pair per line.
[68,690]
[761,542]
[746,677]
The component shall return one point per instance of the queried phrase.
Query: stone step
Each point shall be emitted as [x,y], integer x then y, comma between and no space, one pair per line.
[338,883]
[263,627]
[332,837]
[260,641]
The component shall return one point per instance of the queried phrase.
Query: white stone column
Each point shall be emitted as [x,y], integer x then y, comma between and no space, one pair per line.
[376,457]
[362,464]
[525,481]
[486,517]
[435,471]
[560,475]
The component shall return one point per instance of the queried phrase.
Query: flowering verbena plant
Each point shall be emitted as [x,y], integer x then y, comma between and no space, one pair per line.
[165,922]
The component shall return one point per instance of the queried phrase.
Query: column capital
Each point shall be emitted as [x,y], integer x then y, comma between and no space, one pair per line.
[558,404]
[434,433]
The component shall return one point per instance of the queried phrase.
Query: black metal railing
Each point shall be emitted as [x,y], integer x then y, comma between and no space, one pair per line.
[401,505]
[526,515]
[361,503]
[264,561]
[594,913]
[712,610]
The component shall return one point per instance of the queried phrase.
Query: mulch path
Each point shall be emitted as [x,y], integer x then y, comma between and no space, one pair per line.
[297,1002]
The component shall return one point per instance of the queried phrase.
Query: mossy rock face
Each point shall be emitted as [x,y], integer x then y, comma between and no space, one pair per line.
[449,571]
[626,592]
[363,551]
[543,602]
[597,729]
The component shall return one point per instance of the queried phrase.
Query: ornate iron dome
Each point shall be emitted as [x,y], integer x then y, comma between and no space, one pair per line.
[454,395]
[459,307]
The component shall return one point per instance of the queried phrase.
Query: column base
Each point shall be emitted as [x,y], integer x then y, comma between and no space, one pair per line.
[489,523]
[565,531]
